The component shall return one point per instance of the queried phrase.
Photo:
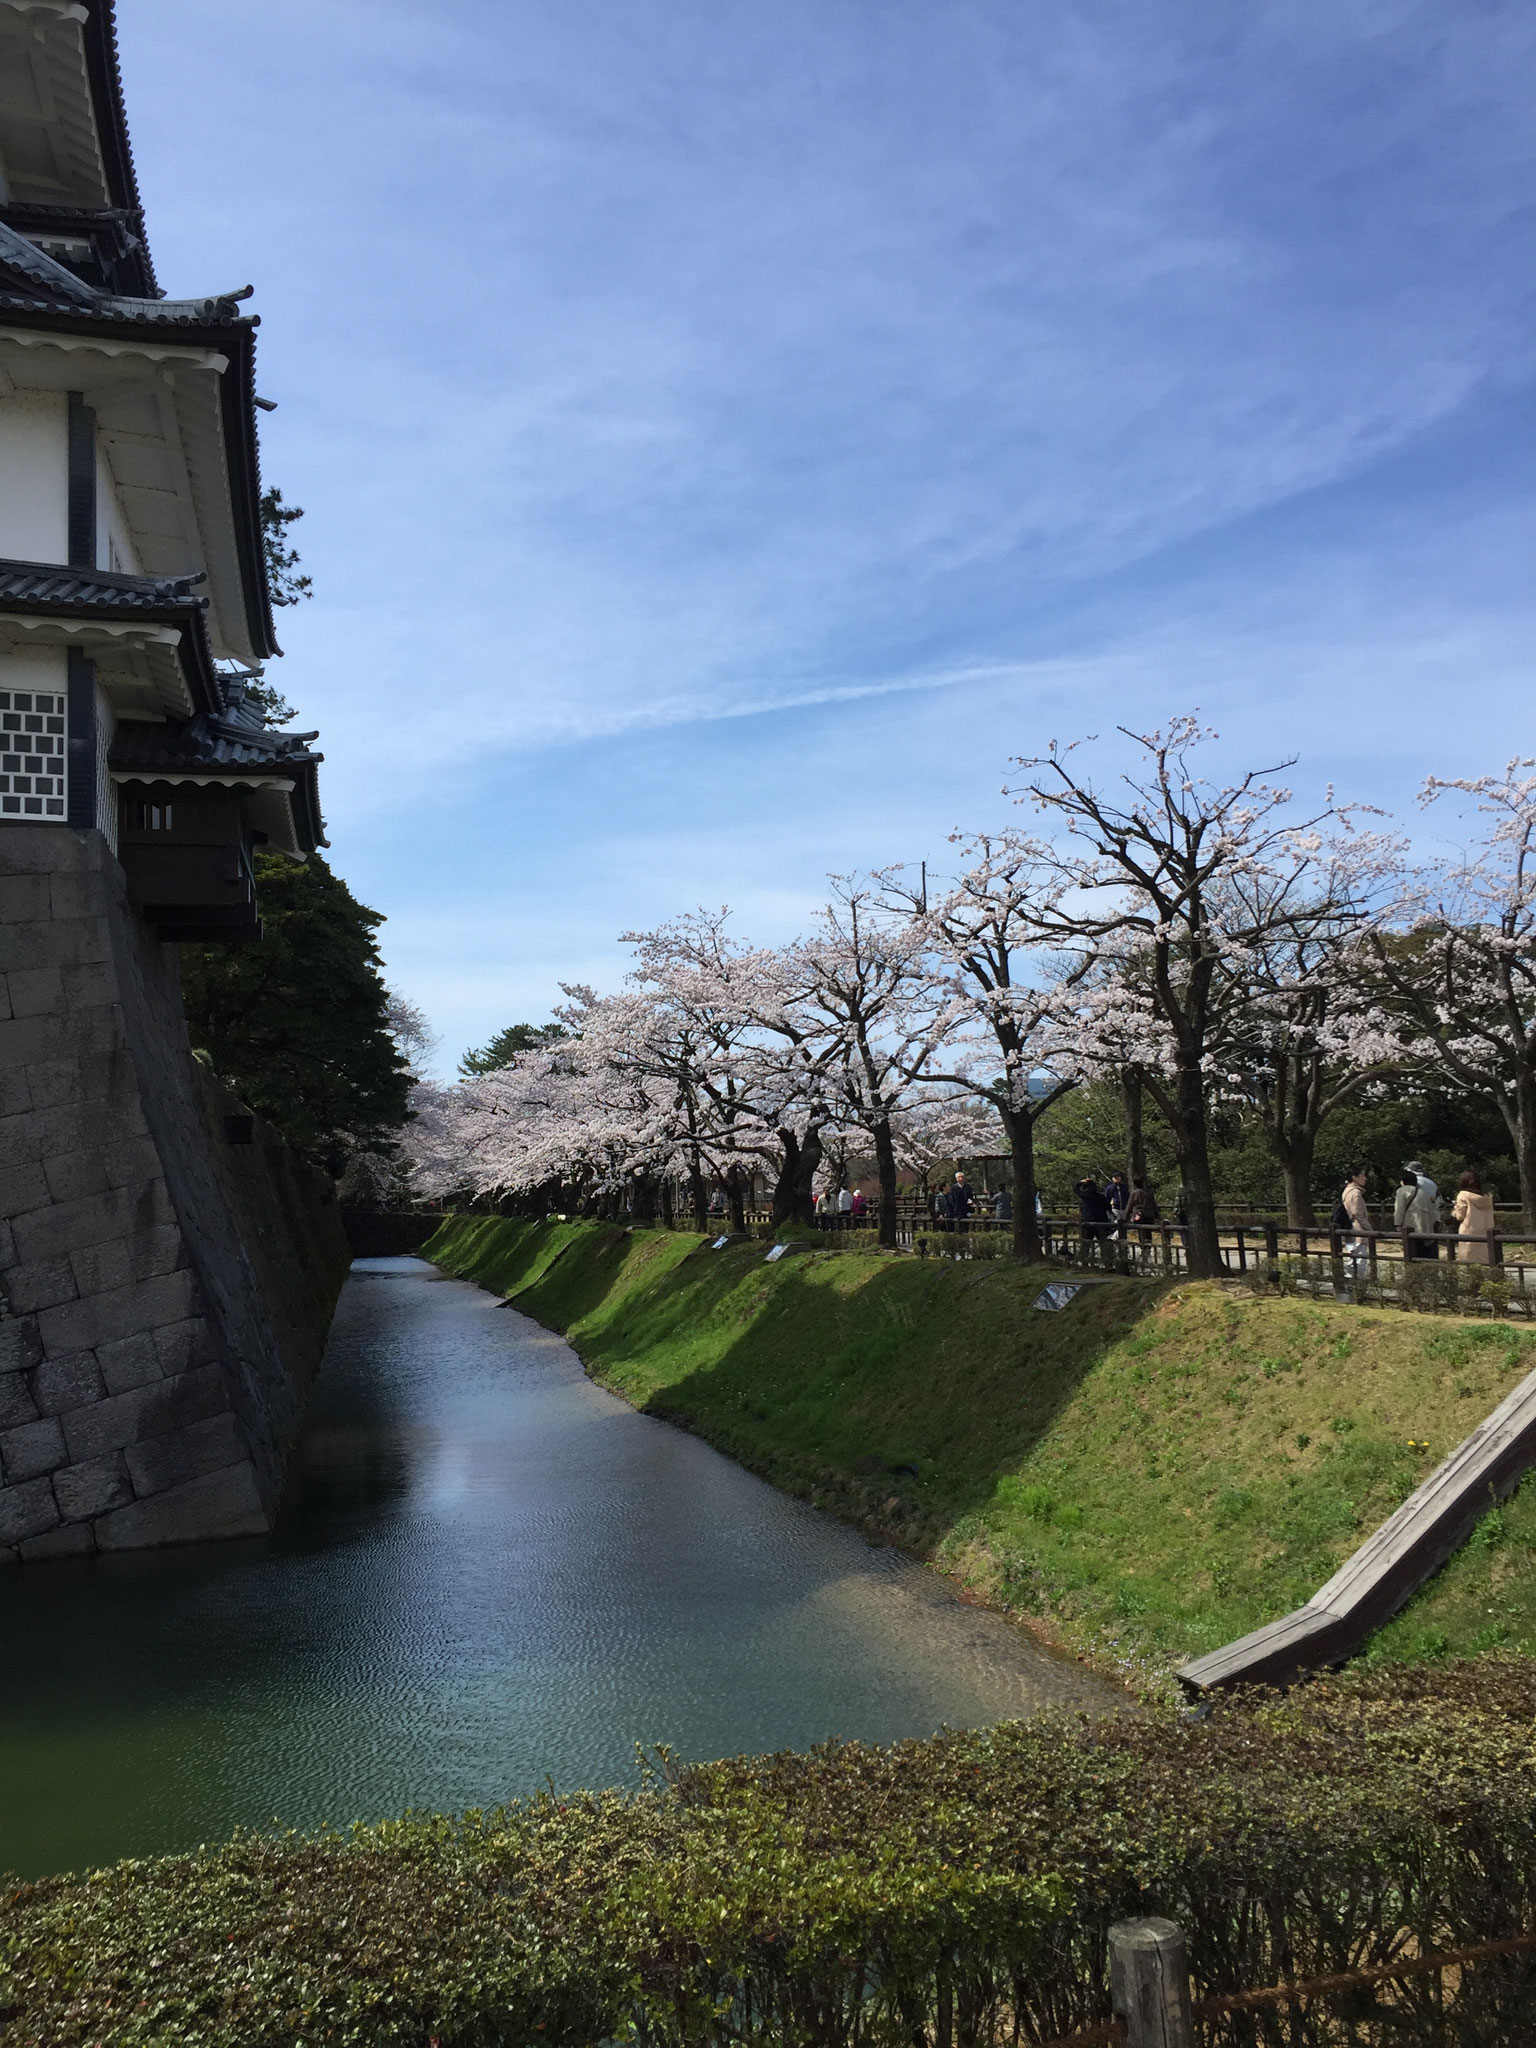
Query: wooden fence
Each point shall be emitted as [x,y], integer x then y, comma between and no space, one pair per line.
[1153,2006]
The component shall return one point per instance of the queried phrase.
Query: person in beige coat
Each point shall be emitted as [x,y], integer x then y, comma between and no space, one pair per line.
[1354,1215]
[1473,1211]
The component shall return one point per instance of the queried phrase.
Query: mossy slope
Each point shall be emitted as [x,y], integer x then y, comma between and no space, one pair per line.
[1149,1474]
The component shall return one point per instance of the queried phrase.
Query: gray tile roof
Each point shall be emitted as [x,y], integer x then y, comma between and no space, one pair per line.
[32,281]
[234,743]
[50,587]
[54,583]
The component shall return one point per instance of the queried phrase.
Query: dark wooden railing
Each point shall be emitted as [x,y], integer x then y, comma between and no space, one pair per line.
[1386,1266]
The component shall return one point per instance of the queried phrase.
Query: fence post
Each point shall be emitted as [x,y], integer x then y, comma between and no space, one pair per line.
[1149,1983]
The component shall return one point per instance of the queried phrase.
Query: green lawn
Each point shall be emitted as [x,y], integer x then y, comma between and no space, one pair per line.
[1145,1475]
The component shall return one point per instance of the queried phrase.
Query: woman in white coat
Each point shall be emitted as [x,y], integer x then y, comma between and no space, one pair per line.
[1473,1211]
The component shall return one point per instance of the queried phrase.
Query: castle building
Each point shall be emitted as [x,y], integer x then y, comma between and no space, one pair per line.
[166,1273]
[132,574]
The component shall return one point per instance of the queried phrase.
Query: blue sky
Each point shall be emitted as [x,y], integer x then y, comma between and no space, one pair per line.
[729,432]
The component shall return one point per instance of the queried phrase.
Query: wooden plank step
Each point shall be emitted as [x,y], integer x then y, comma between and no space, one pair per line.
[1390,1566]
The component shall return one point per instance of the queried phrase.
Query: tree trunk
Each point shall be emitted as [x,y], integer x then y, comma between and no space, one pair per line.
[1019,1127]
[1135,1137]
[805,1178]
[1202,1245]
[783,1208]
[1524,1134]
[697,1194]
[736,1200]
[793,1198]
[885,1162]
[1296,1167]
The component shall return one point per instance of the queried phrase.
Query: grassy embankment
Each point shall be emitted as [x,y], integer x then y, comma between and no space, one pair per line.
[1145,1476]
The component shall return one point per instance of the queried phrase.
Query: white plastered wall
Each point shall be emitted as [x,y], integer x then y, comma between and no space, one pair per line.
[114,542]
[33,668]
[34,476]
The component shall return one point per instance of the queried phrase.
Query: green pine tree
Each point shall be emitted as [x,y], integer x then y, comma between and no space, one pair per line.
[297,1025]
[503,1049]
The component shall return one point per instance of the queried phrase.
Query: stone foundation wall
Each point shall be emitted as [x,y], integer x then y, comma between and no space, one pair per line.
[168,1267]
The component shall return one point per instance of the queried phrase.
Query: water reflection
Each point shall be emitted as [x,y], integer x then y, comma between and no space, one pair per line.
[486,1570]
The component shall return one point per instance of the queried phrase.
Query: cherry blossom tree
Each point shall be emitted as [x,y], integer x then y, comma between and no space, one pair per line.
[1166,875]
[1462,970]
[762,1063]
[1308,1032]
[999,1006]
[864,996]
[949,1126]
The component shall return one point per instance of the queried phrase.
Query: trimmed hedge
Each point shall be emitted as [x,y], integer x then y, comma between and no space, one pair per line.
[955,1891]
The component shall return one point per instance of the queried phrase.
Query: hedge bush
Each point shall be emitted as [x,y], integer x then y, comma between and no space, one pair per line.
[955,1891]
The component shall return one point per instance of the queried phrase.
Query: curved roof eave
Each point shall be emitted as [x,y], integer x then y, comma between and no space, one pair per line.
[212,324]
[98,35]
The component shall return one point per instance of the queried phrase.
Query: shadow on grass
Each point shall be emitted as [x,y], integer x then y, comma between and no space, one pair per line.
[897,1391]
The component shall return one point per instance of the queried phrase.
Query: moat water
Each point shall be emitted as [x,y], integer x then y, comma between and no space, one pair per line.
[487,1573]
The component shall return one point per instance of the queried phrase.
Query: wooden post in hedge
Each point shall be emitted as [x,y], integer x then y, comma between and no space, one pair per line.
[1149,1983]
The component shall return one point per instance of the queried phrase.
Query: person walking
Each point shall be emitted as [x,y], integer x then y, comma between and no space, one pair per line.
[1403,1199]
[844,1207]
[1117,1196]
[858,1205]
[1002,1206]
[1353,1215]
[1427,1221]
[1473,1213]
[1092,1213]
[1143,1210]
[958,1202]
[1417,1215]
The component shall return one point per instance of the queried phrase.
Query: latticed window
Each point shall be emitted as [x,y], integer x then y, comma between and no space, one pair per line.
[31,754]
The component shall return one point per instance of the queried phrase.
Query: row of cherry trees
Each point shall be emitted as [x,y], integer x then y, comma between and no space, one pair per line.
[1195,941]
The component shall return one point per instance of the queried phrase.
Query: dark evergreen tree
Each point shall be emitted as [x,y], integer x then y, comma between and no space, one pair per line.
[284,582]
[298,1025]
[503,1049]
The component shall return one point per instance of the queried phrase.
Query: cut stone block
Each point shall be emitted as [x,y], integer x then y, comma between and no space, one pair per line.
[130,1362]
[77,1540]
[92,1488]
[61,1384]
[26,1510]
[224,1503]
[25,899]
[21,1344]
[213,1444]
[23,1186]
[185,1345]
[35,991]
[42,1286]
[124,1419]
[55,1084]
[90,987]
[145,1305]
[32,1450]
[158,1462]
[16,1403]
[98,1268]
[75,1174]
